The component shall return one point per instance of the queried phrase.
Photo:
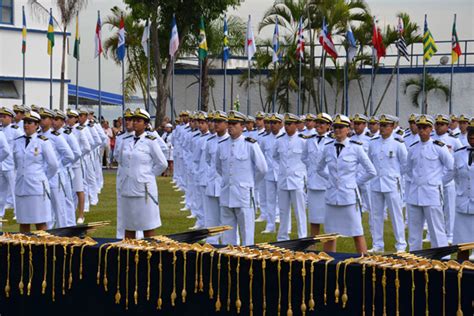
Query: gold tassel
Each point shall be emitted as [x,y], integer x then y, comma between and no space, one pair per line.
[289,312]
[99,263]
[363,289]
[303,278]
[374,280]
[173,293]
[459,312]
[106,280]
[311,302]
[64,270]
[264,287]
[31,270]
[21,286]
[118,296]
[229,282]
[238,302]
[148,257]
[336,291]
[183,292]
[53,275]
[326,281]
[345,297]
[45,272]
[196,273]
[127,269]
[70,267]
[397,292]
[211,289]
[427,311]
[7,285]
[413,292]
[201,280]
[279,287]
[384,290]
[135,293]
[218,300]
[80,261]
[159,302]
[251,287]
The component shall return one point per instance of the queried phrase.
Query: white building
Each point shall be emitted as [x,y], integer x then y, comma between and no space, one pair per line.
[37,60]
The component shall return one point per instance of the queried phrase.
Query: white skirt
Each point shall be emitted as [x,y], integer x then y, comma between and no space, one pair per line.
[138,213]
[463,228]
[343,219]
[316,206]
[78,180]
[33,209]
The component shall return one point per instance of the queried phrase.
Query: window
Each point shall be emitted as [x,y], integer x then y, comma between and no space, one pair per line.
[6,11]
[8,90]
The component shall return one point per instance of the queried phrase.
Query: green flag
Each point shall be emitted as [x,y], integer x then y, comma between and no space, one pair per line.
[202,40]
[77,41]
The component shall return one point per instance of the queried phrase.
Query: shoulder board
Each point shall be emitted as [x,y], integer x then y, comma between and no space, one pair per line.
[281,135]
[310,136]
[414,143]
[42,137]
[22,136]
[187,127]
[204,135]
[400,132]
[212,137]
[224,140]
[351,134]
[67,131]
[454,135]
[80,128]
[55,133]
[459,149]
[120,133]
[375,138]
[407,129]
[330,142]
[261,133]
[128,136]
[150,137]
[408,133]
[14,126]
[90,125]
[196,135]
[439,143]
[266,134]
[331,135]
[250,139]
[399,140]
[355,142]
[369,134]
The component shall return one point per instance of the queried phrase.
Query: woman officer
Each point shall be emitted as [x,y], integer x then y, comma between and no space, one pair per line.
[141,161]
[35,163]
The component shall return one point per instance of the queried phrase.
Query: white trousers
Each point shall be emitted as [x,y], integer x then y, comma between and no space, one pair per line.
[262,197]
[287,199]
[199,205]
[58,207]
[212,216]
[272,204]
[434,218]
[449,209]
[365,197]
[7,190]
[240,219]
[393,201]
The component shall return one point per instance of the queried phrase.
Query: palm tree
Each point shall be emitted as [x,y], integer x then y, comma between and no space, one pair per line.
[136,73]
[68,10]
[431,84]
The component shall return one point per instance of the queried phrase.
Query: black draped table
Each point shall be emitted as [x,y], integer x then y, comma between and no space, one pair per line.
[132,282]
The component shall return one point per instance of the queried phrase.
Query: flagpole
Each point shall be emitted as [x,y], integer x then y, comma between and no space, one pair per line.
[423,109]
[100,82]
[172,90]
[77,83]
[298,105]
[200,75]
[371,104]
[451,79]
[148,83]
[225,82]
[248,89]
[24,62]
[346,84]
[275,66]
[323,85]
[123,93]
[397,102]
[51,79]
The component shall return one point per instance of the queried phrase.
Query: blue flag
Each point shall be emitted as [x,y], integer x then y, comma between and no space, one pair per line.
[351,44]
[226,51]
[121,40]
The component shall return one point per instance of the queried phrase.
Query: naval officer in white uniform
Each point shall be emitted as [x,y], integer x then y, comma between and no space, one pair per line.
[35,163]
[343,159]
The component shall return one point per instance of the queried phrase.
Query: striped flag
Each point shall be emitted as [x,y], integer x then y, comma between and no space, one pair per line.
[174,40]
[121,40]
[226,51]
[300,42]
[326,41]
[456,48]
[351,44]
[77,41]
[429,44]
[50,33]
[250,47]
[276,43]
[202,40]
[145,37]
[98,37]
[23,33]
[400,42]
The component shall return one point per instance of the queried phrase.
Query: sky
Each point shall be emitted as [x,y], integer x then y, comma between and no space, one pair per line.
[440,19]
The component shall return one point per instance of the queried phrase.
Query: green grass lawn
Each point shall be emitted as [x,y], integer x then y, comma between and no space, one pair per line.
[175,221]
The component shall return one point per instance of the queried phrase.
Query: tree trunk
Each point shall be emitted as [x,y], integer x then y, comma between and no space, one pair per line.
[63,72]
[205,85]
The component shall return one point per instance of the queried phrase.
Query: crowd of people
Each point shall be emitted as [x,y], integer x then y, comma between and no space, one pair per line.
[236,169]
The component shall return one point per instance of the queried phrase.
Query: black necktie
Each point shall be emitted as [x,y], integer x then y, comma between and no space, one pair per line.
[136,139]
[339,148]
[28,138]
[319,138]
[471,152]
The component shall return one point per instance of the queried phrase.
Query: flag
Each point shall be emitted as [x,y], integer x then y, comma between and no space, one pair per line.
[50,34]
[456,52]
[202,40]
[276,43]
[377,42]
[351,44]
[98,37]
[429,45]
[23,33]
[400,42]
[300,41]
[250,47]
[145,37]
[226,51]
[77,41]
[174,40]
[326,41]
[121,40]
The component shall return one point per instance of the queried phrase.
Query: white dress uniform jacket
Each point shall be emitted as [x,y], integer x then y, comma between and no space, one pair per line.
[289,154]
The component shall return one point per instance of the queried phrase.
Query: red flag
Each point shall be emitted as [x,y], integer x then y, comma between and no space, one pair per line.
[98,37]
[326,41]
[377,42]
